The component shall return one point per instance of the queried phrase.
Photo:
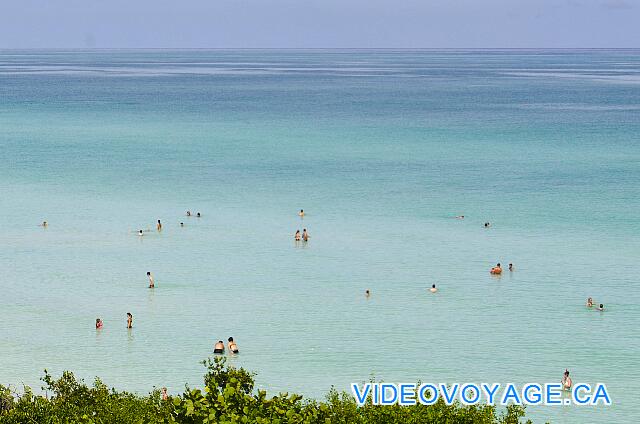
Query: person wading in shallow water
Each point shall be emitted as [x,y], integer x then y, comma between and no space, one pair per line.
[129,320]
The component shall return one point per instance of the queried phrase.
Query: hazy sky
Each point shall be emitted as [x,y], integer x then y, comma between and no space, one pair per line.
[319,23]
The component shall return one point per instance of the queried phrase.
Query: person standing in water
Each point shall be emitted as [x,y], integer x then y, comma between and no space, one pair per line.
[44,224]
[159,226]
[140,233]
[151,283]
[219,347]
[298,236]
[566,381]
[188,213]
[164,394]
[510,267]
[367,293]
[305,235]
[129,320]
[301,213]
[589,303]
[433,288]
[198,215]
[233,347]
[99,324]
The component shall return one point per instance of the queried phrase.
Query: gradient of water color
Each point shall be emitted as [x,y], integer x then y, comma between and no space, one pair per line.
[382,149]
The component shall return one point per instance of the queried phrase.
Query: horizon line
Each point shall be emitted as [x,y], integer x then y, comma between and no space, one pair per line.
[319,48]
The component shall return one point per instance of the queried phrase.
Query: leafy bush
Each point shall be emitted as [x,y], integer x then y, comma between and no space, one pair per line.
[229,397]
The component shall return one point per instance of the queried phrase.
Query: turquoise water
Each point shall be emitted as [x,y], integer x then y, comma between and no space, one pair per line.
[382,149]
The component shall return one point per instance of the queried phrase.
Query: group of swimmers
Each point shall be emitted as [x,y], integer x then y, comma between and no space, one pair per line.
[158,224]
[497,270]
[590,305]
[433,289]
[304,236]
[219,346]
[100,323]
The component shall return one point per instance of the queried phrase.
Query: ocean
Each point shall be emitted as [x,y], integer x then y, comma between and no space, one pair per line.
[382,149]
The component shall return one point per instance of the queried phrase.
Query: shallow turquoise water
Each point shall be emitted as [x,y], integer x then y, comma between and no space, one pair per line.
[382,149]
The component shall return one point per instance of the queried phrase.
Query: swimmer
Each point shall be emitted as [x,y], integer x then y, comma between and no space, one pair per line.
[233,347]
[159,226]
[182,224]
[301,213]
[460,217]
[198,215]
[298,236]
[188,213]
[566,381]
[367,293]
[129,320]
[433,288]
[151,284]
[305,235]
[589,303]
[487,225]
[140,233]
[99,324]
[219,347]
[496,270]
[164,394]
[510,267]
[600,308]
[44,224]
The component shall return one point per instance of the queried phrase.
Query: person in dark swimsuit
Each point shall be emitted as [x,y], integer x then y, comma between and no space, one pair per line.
[219,347]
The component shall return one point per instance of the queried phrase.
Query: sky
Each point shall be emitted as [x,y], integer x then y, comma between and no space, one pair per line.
[319,23]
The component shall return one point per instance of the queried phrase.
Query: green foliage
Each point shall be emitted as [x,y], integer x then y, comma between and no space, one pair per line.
[72,401]
[228,397]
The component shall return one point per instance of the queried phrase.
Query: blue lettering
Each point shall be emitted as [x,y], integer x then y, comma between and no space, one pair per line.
[601,392]
[449,396]
[490,393]
[361,398]
[385,389]
[428,388]
[576,394]
[475,392]
[534,398]
[511,394]
[407,394]
[553,396]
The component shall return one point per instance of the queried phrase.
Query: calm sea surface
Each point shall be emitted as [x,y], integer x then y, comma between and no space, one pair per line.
[381,149]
